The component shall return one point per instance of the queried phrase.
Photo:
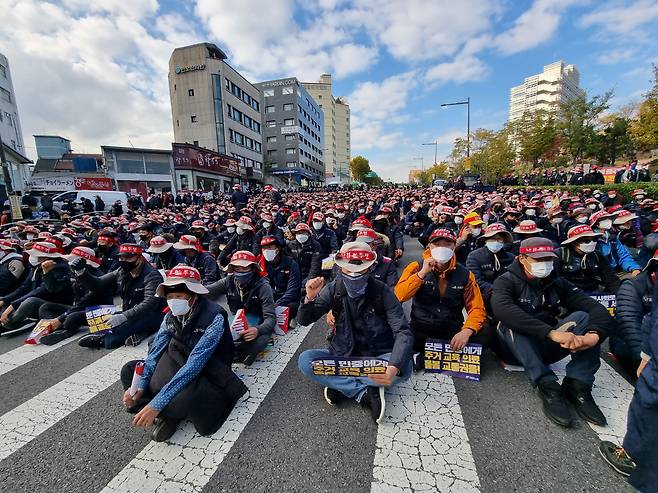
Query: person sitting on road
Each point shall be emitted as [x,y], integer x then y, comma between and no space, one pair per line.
[136,282]
[107,250]
[487,263]
[242,240]
[199,229]
[469,236]
[246,289]
[187,373]
[64,320]
[164,255]
[529,301]
[48,282]
[609,245]
[441,289]
[283,275]
[369,323]
[197,258]
[13,270]
[385,269]
[305,250]
[582,265]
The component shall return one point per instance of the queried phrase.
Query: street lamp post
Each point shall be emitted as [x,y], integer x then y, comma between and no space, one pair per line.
[436,145]
[468,121]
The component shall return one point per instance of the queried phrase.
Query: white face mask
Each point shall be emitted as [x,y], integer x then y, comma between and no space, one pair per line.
[588,247]
[266,224]
[476,231]
[361,211]
[494,246]
[530,212]
[459,220]
[581,220]
[33,261]
[29,237]
[556,220]
[341,215]
[178,307]
[605,224]
[317,225]
[639,197]
[592,206]
[302,238]
[269,255]
[541,269]
[231,229]
[442,254]
[239,230]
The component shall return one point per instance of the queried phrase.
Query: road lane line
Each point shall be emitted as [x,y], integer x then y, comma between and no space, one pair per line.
[24,354]
[422,444]
[187,462]
[27,421]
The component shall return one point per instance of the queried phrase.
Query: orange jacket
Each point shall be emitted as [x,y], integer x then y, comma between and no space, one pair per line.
[410,283]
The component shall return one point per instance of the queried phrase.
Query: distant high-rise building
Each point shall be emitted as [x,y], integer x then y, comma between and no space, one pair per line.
[214,107]
[337,150]
[10,124]
[558,83]
[293,131]
[414,175]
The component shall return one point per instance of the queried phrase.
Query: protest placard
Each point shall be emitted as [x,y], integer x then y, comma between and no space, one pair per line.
[335,366]
[98,318]
[440,358]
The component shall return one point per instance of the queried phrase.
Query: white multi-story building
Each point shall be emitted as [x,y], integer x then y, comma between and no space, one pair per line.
[337,150]
[10,124]
[556,84]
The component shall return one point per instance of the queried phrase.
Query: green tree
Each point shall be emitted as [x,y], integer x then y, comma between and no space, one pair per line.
[534,136]
[576,120]
[359,167]
[613,140]
[644,129]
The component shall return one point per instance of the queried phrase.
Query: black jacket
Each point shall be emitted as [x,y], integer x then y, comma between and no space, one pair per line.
[137,293]
[634,300]
[487,266]
[307,256]
[236,243]
[360,331]
[532,306]
[55,286]
[591,272]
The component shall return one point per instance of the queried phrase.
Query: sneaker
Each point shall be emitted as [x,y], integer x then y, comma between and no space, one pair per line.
[419,361]
[135,339]
[94,341]
[164,429]
[333,396]
[617,457]
[292,324]
[580,395]
[374,400]
[555,405]
[55,337]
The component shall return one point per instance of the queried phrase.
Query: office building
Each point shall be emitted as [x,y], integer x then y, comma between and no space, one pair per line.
[337,151]
[139,171]
[216,108]
[293,131]
[558,83]
[10,125]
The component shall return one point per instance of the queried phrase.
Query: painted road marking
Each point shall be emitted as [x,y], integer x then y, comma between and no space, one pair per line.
[26,353]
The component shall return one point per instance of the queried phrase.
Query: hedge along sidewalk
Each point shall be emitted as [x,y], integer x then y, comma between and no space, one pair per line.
[626,189]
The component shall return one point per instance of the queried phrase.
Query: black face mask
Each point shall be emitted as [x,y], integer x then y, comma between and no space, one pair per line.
[127,266]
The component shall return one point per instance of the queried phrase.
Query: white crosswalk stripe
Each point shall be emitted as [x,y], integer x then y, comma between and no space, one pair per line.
[24,354]
[422,445]
[27,421]
[189,460]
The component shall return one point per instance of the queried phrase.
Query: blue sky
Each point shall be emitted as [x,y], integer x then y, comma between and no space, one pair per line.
[95,70]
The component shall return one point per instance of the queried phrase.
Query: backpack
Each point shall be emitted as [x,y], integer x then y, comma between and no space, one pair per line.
[374,294]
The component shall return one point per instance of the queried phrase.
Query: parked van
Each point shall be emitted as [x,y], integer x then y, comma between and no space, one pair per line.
[108,197]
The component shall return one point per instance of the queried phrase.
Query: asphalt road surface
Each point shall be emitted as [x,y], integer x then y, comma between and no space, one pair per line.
[63,428]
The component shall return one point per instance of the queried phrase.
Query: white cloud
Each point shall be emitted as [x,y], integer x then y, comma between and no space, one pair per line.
[350,58]
[461,69]
[380,100]
[617,55]
[618,18]
[535,26]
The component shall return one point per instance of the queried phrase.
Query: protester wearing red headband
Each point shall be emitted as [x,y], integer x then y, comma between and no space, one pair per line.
[529,301]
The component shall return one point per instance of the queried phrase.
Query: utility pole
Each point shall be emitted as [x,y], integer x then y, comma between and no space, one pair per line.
[436,146]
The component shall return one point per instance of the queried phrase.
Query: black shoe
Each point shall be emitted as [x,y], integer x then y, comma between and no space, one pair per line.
[135,339]
[94,341]
[419,361]
[374,400]
[555,405]
[617,457]
[249,360]
[580,395]
[164,429]
[55,337]
[333,396]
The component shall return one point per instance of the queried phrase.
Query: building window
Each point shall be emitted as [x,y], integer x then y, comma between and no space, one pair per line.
[269,109]
[190,92]
[193,118]
[271,123]
[255,105]
[287,107]
[271,140]
[290,164]
[3,71]
[5,94]
[8,118]
[290,150]
[271,152]
[288,90]
[177,123]
[289,121]
[268,93]
[290,137]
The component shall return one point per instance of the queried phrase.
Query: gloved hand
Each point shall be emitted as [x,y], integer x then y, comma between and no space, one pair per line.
[117,319]
[78,265]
